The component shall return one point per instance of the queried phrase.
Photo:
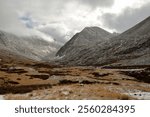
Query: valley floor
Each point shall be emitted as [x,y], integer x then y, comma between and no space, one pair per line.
[41,81]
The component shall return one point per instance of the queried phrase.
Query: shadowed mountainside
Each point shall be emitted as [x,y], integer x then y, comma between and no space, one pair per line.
[129,48]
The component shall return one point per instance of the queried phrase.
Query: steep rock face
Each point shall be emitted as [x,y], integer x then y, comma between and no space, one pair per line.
[91,35]
[83,42]
[30,47]
[87,37]
[133,46]
[129,48]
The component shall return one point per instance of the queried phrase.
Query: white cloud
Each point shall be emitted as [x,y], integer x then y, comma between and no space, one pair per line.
[60,19]
[129,17]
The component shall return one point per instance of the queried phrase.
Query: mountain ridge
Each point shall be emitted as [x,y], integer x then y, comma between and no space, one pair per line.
[87,37]
[131,45]
[33,47]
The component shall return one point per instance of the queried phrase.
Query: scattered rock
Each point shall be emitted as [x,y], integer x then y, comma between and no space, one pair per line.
[65,92]
[65,81]
[88,82]
[142,75]
[148,69]
[115,83]
[30,95]
[97,74]
[13,82]
[12,70]
[2,81]
[141,95]
[18,78]
[1,97]
[40,76]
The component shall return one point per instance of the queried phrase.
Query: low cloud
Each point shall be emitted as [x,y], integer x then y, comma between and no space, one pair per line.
[128,18]
[61,19]
[58,31]
[97,3]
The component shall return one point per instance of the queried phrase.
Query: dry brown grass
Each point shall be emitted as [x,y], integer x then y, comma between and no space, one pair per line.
[16,97]
[72,92]
[78,83]
[125,97]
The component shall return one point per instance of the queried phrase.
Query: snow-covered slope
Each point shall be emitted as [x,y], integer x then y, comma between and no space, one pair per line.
[30,47]
[129,48]
[88,37]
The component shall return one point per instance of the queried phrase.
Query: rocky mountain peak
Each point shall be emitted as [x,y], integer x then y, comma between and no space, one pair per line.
[91,33]
[95,46]
[87,37]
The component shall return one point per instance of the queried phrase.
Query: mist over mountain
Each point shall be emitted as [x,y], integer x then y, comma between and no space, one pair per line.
[32,47]
[100,48]
[91,46]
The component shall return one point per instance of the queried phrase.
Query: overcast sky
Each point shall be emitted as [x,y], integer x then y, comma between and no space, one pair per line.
[61,19]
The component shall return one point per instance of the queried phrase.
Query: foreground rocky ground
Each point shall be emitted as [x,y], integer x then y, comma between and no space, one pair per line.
[34,80]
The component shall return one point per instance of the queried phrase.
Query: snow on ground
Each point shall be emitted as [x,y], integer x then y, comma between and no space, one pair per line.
[140,95]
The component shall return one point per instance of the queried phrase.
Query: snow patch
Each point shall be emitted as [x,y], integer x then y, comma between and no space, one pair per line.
[59,57]
[140,95]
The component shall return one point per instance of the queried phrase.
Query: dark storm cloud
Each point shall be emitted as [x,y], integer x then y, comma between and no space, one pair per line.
[128,18]
[97,3]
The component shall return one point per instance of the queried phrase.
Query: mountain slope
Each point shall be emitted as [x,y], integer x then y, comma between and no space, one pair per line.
[34,48]
[82,41]
[133,46]
[129,48]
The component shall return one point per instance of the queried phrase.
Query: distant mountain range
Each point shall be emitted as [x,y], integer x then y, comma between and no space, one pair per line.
[95,46]
[34,47]
[92,46]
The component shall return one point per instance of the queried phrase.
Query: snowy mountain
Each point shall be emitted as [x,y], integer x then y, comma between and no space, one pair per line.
[129,48]
[134,45]
[34,48]
[88,37]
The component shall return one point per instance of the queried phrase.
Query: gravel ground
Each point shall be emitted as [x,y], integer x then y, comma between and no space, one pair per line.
[1,97]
